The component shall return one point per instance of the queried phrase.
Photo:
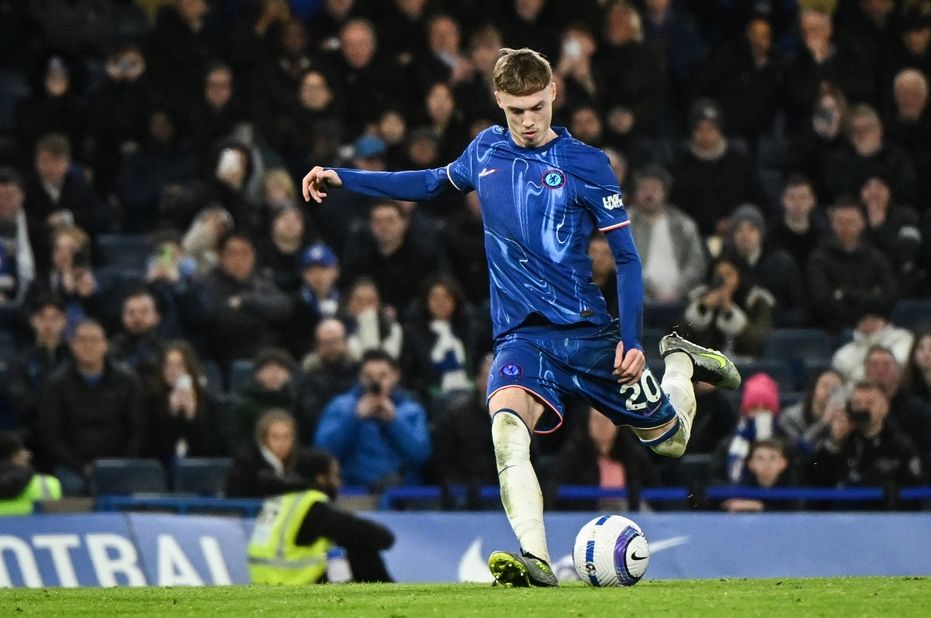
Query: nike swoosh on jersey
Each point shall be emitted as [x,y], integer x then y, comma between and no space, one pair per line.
[716,357]
[486,172]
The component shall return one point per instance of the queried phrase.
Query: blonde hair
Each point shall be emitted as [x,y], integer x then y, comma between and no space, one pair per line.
[520,72]
[281,179]
[269,418]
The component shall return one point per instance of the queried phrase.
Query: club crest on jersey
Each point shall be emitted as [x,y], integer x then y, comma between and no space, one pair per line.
[613,201]
[512,370]
[554,179]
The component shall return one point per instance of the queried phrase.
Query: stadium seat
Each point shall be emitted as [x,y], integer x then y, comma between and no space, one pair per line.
[799,344]
[913,314]
[664,316]
[777,369]
[201,475]
[128,476]
[240,373]
[131,250]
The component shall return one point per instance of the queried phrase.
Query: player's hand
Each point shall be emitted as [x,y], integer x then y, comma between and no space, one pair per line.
[317,181]
[628,366]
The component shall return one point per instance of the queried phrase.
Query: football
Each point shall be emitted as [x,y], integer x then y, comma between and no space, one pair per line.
[611,550]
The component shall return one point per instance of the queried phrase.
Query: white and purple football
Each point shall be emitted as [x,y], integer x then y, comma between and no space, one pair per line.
[611,550]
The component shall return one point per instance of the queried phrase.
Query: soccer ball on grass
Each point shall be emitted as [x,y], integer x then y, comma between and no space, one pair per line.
[611,550]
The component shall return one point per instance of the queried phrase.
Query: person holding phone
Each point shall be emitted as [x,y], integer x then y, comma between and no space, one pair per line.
[377,431]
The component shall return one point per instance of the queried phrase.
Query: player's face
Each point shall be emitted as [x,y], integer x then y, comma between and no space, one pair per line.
[529,116]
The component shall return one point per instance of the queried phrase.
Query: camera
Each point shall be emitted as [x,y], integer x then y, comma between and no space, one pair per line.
[81,259]
[717,282]
[858,417]
[373,388]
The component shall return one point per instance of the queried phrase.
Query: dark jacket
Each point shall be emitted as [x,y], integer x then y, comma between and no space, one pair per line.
[238,333]
[317,386]
[26,380]
[14,479]
[776,272]
[838,291]
[79,422]
[166,429]
[464,452]
[253,401]
[252,476]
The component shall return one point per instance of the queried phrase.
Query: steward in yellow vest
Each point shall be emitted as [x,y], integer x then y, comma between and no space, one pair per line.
[20,485]
[294,531]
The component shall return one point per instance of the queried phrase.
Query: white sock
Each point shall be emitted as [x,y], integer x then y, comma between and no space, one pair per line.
[677,383]
[520,489]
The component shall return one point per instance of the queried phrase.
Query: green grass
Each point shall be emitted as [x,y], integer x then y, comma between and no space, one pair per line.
[847,597]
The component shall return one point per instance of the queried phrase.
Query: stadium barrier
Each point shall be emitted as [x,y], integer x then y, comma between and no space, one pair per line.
[138,549]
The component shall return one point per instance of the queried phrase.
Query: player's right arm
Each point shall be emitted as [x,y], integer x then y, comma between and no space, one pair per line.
[411,186]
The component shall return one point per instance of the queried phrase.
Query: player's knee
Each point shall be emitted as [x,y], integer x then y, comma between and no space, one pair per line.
[670,448]
[671,444]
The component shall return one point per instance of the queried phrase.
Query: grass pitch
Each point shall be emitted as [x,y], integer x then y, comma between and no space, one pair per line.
[847,597]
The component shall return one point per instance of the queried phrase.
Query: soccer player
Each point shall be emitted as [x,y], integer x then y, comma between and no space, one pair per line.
[542,194]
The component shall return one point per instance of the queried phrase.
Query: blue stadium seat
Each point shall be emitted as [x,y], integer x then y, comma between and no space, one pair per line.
[664,316]
[240,372]
[913,314]
[128,476]
[131,250]
[204,476]
[778,370]
[799,344]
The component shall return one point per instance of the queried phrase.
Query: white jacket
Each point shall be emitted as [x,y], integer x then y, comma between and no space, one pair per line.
[848,360]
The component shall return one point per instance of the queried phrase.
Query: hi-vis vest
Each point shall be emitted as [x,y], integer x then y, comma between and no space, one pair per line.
[274,557]
[41,487]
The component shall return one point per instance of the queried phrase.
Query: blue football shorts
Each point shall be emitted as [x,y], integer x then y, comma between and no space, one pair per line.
[557,364]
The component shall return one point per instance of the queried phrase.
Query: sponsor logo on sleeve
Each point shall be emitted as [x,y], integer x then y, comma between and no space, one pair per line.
[613,202]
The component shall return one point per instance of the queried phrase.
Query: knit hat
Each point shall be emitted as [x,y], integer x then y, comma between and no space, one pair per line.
[760,391]
[274,355]
[704,109]
[750,214]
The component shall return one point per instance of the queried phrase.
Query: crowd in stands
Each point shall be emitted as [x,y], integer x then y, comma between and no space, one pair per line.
[166,293]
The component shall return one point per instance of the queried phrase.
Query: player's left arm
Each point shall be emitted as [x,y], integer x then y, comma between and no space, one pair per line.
[602,197]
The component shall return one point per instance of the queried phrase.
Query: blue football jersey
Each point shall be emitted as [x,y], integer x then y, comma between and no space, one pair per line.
[540,207]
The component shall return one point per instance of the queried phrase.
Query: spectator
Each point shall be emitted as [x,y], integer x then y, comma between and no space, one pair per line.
[476,95]
[33,365]
[378,432]
[163,162]
[371,326]
[320,526]
[838,293]
[327,372]
[54,106]
[238,307]
[911,415]
[217,111]
[182,415]
[201,240]
[808,422]
[773,270]
[810,148]
[767,466]
[19,264]
[712,177]
[71,279]
[20,485]
[759,410]
[600,454]
[718,420]
[140,342]
[327,22]
[463,237]
[910,126]
[917,379]
[271,386]
[310,130]
[866,149]
[58,195]
[264,466]
[279,254]
[873,329]
[397,262]
[444,60]
[464,453]
[670,31]
[316,299]
[604,271]
[531,23]
[671,248]
[863,448]
[823,59]
[118,110]
[729,313]
[92,407]
[914,45]
[436,336]
[576,71]
[798,228]
[893,229]
[745,78]
[445,120]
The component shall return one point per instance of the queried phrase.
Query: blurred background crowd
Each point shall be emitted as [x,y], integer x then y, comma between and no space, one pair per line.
[166,293]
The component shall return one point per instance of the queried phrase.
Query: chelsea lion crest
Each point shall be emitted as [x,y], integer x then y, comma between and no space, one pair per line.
[553,179]
[512,370]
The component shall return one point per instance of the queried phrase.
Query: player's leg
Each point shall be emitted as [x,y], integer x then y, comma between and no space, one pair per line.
[515,412]
[685,362]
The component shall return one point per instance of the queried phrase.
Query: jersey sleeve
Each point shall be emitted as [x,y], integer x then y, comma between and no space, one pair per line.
[601,195]
[461,172]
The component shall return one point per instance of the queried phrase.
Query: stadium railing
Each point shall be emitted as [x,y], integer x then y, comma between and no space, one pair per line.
[404,497]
